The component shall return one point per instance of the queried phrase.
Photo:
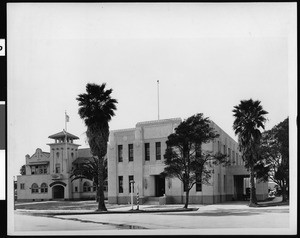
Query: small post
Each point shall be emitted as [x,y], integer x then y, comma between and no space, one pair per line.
[131,185]
[137,198]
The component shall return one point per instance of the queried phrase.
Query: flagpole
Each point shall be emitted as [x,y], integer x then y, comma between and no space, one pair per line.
[158,98]
[66,120]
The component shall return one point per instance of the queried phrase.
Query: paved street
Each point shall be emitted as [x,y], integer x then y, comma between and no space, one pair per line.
[234,217]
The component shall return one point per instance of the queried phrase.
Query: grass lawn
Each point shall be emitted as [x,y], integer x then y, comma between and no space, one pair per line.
[62,205]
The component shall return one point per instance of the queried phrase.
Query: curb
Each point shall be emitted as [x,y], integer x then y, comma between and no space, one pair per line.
[116,212]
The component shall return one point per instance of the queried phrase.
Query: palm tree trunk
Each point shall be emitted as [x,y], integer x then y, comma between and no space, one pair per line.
[253,199]
[101,201]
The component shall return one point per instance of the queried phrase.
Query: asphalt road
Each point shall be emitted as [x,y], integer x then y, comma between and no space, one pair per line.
[235,219]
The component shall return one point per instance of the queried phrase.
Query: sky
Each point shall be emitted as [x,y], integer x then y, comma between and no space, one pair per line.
[207,58]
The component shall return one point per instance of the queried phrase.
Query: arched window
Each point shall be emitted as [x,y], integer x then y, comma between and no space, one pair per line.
[86,187]
[34,188]
[44,188]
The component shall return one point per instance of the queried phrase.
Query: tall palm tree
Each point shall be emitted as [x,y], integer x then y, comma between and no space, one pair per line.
[249,118]
[96,108]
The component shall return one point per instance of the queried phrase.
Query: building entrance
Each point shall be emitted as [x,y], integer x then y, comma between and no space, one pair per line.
[58,192]
[159,186]
[241,187]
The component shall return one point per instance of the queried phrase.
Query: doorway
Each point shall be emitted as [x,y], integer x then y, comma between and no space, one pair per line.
[159,186]
[58,192]
[241,187]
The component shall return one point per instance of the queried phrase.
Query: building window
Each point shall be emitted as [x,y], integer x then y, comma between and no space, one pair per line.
[147,151]
[120,153]
[34,188]
[33,169]
[198,182]
[105,186]
[22,186]
[76,189]
[131,178]
[158,150]
[219,146]
[86,187]
[57,154]
[237,158]
[120,184]
[44,188]
[57,168]
[42,169]
[224,149]
[130,152]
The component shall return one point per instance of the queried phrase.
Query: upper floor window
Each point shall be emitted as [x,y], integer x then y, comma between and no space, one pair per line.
[219,146]
[120,153]
[57,168]
[130,152]
[44,188]
[34,169]
[34,188]
[158,150]
[22,185]
[147,151]
[42,169]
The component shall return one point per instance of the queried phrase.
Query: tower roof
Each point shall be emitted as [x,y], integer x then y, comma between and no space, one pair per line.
[62,135]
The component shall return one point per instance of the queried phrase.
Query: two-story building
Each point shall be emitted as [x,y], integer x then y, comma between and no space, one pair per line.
[48,174]
[136,154]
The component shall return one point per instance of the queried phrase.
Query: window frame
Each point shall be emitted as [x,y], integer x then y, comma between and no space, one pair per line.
[147,151]
[130,152]
[44,189]
[34,189]
[158,152]
[121,184]
[120,153]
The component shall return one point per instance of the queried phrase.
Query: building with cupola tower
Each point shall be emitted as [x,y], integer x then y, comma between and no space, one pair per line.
[48,174]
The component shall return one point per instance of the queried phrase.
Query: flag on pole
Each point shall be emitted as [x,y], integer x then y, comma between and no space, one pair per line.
[67,118]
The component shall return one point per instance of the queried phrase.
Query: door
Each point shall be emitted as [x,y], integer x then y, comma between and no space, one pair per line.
[159,186]
[58,192]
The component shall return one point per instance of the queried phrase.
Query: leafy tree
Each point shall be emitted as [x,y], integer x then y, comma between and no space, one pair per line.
[274,163]
[184,157]
[249,118]
[96,108]
[23,170]
[87,168]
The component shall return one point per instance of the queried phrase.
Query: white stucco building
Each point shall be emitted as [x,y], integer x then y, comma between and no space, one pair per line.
[47,174]
[137,154]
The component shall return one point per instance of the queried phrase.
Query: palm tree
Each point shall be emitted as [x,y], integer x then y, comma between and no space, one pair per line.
[96,108]
[87,168]
[249,118]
